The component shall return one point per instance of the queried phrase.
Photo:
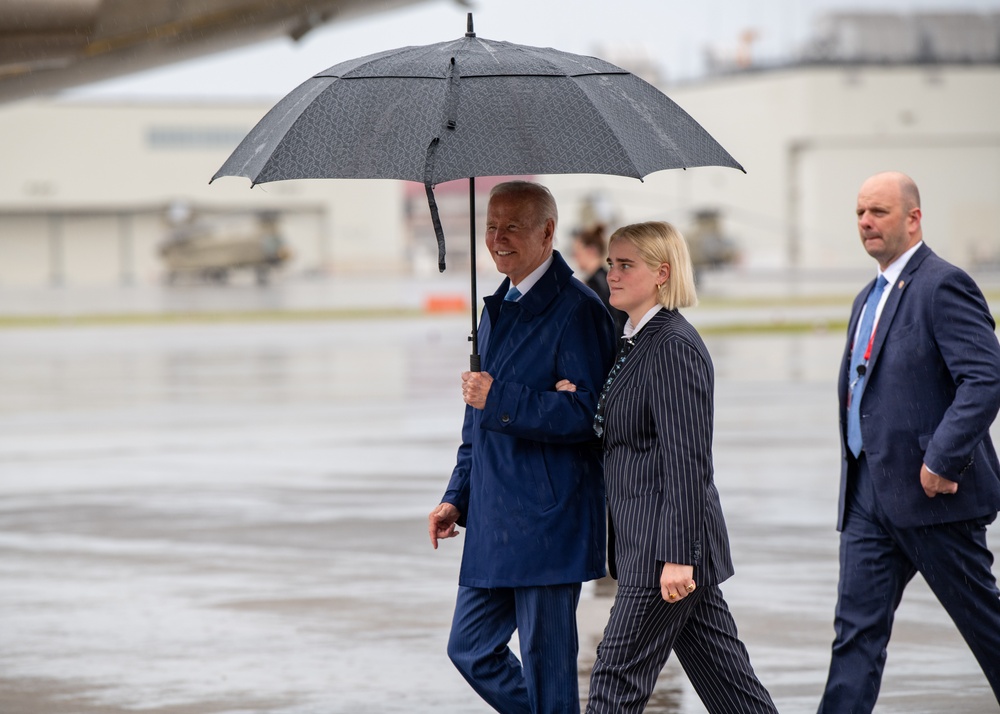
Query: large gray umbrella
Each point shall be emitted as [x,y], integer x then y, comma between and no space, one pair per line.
[466,108]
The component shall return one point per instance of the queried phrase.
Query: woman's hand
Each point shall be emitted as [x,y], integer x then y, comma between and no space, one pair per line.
[564,385]
[676,582]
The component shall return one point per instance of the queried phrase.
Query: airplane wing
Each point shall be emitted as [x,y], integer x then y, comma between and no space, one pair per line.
[49,45]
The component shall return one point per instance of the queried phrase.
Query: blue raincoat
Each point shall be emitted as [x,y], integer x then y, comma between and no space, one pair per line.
[528,479]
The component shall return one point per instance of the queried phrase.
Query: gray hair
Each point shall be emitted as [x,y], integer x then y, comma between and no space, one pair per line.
[540,197]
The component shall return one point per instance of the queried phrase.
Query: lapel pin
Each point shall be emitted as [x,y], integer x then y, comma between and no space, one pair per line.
[901,284]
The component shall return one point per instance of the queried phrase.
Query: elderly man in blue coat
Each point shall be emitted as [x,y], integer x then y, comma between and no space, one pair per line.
[528,485]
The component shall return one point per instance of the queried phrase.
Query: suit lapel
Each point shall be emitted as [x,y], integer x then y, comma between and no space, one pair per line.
[892,303]
[643,341]
[500,317]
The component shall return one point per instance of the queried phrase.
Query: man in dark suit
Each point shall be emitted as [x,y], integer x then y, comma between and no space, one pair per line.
[528,484]
[919,388]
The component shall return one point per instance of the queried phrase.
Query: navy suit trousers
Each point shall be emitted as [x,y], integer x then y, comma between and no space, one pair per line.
[545,680]
[877,560]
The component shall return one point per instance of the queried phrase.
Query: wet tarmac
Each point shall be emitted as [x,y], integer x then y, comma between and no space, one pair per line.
[231,519]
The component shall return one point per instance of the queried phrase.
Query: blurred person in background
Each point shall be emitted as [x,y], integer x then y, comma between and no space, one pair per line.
[589,253]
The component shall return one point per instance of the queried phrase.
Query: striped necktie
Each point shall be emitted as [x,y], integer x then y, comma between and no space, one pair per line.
[626,347]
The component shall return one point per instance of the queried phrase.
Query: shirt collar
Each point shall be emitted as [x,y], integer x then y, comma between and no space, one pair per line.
[895,269]
[631,331]
[534,276]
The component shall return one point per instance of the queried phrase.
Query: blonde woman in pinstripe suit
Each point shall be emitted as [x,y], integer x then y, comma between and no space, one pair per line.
[670,548]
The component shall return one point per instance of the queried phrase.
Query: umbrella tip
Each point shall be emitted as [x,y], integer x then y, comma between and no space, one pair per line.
[468,26]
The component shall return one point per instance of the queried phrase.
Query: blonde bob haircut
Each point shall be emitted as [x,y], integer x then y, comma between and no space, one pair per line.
[659,242]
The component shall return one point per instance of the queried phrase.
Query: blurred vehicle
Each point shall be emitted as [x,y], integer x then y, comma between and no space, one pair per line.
[209,250]
[709,246]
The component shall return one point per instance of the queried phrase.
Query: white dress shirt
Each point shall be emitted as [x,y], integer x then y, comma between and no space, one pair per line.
[533,277]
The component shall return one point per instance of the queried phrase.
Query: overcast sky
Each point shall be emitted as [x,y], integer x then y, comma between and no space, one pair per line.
[674,34]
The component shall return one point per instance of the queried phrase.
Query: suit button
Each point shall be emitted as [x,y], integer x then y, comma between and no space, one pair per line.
[505,418]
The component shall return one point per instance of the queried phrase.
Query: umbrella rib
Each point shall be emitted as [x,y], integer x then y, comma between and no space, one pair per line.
[368,78]
[643,112]
[469,76]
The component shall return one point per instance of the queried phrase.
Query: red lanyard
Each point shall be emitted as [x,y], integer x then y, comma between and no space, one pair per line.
[871,340]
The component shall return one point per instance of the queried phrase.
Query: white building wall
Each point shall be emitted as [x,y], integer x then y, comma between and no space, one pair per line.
[101,162]
[934,124]
[807,137]
[741,114]
[24,252]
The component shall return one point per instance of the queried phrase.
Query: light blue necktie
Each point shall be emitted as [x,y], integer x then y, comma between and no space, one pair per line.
[859,366]
[512,295]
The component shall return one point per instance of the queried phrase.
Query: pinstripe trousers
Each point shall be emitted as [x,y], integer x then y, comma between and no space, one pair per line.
[545,680]
[644,629]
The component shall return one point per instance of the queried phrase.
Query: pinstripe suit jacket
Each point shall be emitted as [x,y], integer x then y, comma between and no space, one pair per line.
[658,468]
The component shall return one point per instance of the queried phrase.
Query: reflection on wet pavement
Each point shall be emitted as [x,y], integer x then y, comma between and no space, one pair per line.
[223,519]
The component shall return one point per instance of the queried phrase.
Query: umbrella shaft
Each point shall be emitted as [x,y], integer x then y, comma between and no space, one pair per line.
[474,365]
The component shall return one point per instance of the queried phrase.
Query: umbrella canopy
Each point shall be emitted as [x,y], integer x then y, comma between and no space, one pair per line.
[472,107]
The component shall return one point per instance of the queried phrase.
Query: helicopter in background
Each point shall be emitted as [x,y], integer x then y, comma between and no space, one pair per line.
[207,249]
